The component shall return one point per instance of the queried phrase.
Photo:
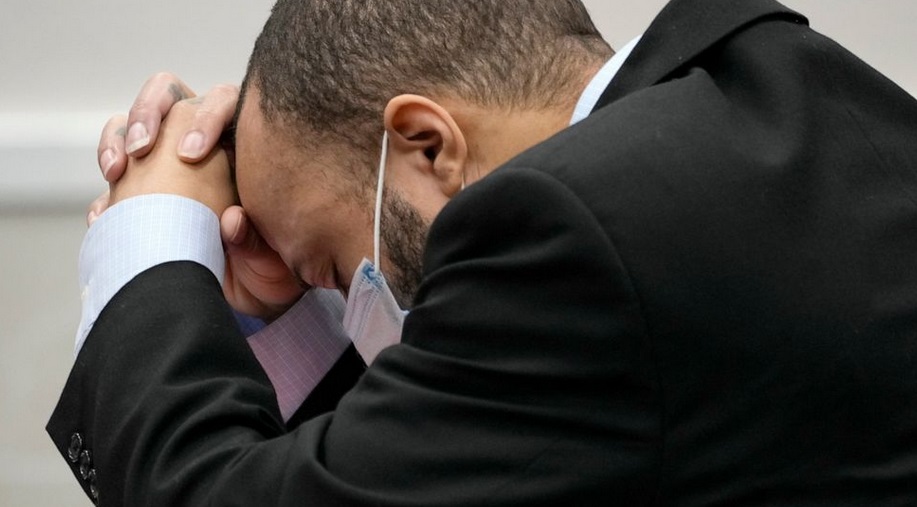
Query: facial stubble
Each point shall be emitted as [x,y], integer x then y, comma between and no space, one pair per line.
[404,235]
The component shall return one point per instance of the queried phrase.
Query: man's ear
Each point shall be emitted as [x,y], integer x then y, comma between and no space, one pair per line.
[426,137]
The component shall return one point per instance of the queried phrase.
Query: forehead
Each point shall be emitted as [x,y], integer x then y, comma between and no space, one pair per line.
[263,147]
[248,114]
[271,175]
[268,138]
[274,158]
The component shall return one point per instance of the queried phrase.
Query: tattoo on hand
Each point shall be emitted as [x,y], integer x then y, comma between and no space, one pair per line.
[177,92]
[121,132]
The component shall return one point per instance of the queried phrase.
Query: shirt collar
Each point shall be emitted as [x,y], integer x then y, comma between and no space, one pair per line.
[593,92]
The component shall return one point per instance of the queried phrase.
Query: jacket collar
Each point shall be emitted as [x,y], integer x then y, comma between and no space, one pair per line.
[682,31]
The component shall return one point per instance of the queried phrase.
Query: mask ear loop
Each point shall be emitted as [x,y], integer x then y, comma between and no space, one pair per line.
[377,219]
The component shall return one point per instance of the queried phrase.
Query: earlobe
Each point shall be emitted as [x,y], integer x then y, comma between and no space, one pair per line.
[426,137]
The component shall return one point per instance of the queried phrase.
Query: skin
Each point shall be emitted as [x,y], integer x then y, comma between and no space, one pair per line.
[303,224]
[141,125]
[208,181]
[269,175]
[305,208]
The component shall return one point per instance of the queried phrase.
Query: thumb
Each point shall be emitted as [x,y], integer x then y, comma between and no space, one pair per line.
[236,230]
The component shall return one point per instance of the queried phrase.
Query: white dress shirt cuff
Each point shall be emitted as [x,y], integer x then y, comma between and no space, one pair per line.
[136,235]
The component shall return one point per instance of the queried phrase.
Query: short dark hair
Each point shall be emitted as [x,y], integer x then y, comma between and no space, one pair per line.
[329,67]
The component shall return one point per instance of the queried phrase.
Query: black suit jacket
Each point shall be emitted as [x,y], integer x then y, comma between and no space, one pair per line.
[704,294]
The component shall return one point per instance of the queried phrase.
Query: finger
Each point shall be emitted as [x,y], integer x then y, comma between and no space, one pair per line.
[98,207]
[153,103]
[111,154]
[236,230]
[213,116]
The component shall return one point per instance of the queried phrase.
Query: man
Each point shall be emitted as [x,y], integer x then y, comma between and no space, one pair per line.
[701,294]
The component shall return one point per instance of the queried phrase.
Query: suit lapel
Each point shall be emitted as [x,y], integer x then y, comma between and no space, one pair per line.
[683,30]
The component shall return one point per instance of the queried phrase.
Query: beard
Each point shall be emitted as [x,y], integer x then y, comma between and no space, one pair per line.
[404,234]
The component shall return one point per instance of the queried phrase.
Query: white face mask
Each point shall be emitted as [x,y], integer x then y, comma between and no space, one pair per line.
[373,318]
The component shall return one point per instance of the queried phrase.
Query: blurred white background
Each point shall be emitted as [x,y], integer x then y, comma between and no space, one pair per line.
[65,67]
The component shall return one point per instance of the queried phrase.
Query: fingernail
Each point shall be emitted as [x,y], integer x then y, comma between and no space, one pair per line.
[108,161]
[138,137]
[192,145]
[237,237]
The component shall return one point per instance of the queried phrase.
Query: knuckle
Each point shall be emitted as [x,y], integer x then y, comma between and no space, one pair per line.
[114,124]
[161,91]
[204,115]
[113,134]
[162,77]
[140,109]
[184,107]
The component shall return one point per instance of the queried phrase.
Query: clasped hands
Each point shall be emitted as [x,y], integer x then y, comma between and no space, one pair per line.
[169,143]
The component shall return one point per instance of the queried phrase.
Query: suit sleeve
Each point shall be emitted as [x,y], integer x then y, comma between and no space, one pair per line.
[523,377]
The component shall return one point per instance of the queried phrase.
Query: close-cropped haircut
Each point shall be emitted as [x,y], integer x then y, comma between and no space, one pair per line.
[328,68]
